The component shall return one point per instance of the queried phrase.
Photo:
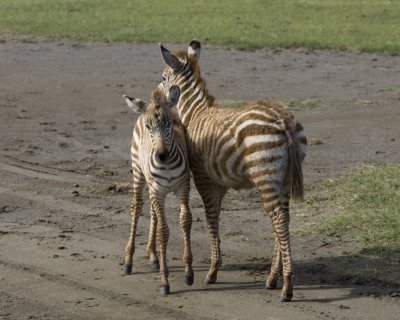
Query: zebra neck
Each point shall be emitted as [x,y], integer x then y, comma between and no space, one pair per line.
[194,98]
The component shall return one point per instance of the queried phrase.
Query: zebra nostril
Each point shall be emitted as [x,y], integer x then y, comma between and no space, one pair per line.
[162,156]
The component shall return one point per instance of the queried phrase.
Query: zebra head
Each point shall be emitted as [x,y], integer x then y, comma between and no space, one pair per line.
[180,64]
[158,119]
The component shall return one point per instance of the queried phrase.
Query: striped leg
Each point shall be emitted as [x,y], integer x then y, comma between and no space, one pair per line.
[280,223]
[276,265]
[186,225]
[276,204]
[162,237]
[136,208]
[212,196]
[151,244]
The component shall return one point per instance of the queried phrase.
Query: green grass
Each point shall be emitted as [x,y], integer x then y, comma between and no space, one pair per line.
[364,206]
[365,25]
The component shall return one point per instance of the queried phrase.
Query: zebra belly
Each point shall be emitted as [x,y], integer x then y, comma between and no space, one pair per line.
[237,169]
[221,176]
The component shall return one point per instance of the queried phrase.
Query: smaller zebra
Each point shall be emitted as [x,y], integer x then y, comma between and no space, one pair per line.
[160,160]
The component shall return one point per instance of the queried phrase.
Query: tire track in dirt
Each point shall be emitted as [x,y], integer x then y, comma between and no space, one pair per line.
[49,201]
[146,308]
[309,310]
[13,165]
[15,307]
[78,281]
[52,203]
[63,271]
[114,300]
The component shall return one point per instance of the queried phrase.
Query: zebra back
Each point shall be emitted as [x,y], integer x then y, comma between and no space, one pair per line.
[213,131]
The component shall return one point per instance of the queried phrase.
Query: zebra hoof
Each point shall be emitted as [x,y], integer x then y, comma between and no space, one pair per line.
[270,286]
[164,290]
[189,280]
[127,269]
[286,298]
[208,281]
[155,265]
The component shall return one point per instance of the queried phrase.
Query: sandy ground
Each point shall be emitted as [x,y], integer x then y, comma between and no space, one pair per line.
[64,167]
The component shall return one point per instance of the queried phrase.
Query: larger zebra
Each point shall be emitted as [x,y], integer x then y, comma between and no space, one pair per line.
[160,159]
[260,145]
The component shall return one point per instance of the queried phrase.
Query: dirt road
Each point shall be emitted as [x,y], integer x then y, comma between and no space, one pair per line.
[64,168]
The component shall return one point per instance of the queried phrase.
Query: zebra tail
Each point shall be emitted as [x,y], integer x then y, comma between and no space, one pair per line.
[295,167]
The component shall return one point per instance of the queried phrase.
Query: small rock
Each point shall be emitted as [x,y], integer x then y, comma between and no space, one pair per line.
[315,142]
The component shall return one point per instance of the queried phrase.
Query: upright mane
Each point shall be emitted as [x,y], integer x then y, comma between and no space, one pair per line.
[191,61]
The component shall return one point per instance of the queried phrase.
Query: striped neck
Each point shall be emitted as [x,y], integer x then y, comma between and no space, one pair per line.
[194,94]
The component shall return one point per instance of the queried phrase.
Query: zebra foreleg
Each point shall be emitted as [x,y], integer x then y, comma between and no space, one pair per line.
[212,197]
[186,225]
[136,207]
[151,244]
[162,237]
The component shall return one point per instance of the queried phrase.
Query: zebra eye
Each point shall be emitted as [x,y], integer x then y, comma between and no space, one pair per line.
[164,79]
[148,126]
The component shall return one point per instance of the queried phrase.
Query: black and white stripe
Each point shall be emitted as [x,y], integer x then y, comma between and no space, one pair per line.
[260,145]
[160,161]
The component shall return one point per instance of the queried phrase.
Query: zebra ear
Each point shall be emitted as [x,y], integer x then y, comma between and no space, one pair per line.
[194,49]
[173,96]
[136,105]
[170,60]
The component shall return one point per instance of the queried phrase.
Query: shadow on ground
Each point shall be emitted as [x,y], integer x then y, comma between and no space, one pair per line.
[360,275]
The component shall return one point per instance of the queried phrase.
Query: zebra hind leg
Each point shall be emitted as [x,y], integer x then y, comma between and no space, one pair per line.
[276,267]
[276,205]
[280,223]
[215,243]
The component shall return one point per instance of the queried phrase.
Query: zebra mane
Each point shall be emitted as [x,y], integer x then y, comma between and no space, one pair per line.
[187,60]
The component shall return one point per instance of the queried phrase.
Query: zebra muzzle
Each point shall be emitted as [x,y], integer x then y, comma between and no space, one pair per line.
[162,156]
